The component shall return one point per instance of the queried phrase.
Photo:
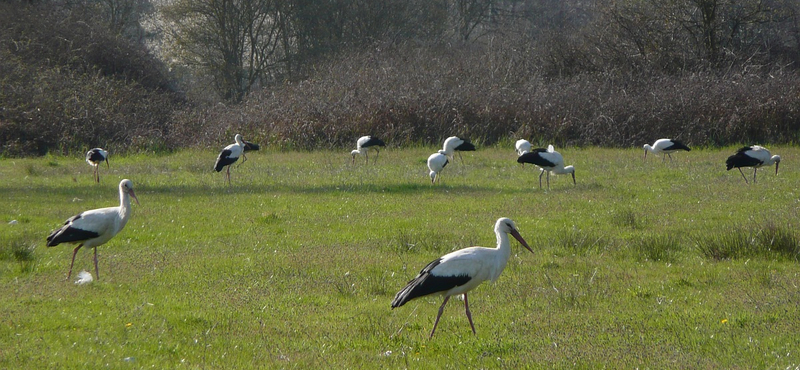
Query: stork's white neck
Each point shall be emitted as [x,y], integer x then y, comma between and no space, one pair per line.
[562,170]
[503,254]
[124,207]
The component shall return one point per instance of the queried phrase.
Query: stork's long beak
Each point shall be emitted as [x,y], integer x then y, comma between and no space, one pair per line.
[133,195]
[776,167]
[107,166]
[516,235]
[645,154]
[573,179]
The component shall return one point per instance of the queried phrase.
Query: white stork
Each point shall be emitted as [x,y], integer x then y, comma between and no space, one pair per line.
[229,156]
[752,156]
[523,146]
[436,163]
[455,144]
[550,161]
[95,227]
[94,157]
[665,146]
[461,271]
[363,145]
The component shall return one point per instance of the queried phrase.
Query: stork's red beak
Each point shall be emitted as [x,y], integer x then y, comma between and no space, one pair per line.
[516,235]
[133,195]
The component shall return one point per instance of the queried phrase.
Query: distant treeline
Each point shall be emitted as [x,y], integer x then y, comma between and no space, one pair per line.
[75,75]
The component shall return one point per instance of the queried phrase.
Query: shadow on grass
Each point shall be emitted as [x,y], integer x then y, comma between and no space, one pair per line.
[79,190]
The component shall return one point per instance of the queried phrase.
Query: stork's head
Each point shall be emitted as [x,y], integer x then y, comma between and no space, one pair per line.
[507,226]
[777,160]
[571,170]
[647,148]
[126,186]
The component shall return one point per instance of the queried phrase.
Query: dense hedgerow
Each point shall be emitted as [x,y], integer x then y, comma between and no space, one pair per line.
[422,96]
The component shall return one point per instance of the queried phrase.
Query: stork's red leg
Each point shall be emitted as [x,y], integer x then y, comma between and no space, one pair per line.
[96,270]
[441,309]
[540,178]
[74,252]
[469,314]
[743,176]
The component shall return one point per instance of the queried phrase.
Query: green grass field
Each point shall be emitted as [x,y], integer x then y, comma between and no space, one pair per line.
[640,265]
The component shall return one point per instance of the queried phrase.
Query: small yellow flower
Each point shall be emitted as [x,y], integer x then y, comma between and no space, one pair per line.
[724,321]
[128,325]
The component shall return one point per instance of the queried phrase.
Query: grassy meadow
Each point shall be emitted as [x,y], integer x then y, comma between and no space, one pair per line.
[640,265]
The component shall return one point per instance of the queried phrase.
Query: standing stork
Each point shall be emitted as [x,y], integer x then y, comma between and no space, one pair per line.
[363,145]
[523,146]
[94,157]
[229,156]
[436,163]
[461,271]
[665,146]
[550,161]
[752,156]
[455,144]
[95,227]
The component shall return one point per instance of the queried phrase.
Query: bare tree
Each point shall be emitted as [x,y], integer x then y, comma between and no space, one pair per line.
[234,41]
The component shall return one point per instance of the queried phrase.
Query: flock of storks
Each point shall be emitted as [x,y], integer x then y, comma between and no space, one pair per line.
[455,273]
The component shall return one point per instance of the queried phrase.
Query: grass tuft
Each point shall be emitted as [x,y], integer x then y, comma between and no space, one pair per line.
[658,247]
[627,218]
[766,241]
[19,249]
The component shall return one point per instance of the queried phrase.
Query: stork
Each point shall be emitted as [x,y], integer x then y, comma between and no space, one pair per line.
[363,145]
[436,163]
[229,156]
[665,146]
[455,144]
[752,156]
[461,271]
[95,227]
[94,157]
[548,160]
[523,146]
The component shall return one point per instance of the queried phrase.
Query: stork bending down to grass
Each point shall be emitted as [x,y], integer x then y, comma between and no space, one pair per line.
[752,156]
[666,147]
[436,163]
[364,144]
[548,160]
[94,157]
[461,271]
[95,227]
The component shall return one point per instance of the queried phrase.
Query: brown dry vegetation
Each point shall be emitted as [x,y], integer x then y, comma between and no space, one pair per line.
[412,96]
[574,78]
